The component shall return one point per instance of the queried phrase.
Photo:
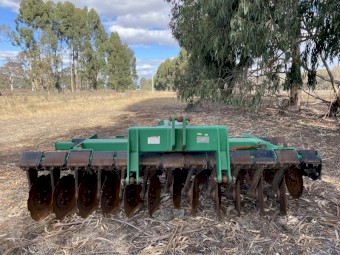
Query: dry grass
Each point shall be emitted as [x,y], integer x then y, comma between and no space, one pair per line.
[33,105]
[311,226]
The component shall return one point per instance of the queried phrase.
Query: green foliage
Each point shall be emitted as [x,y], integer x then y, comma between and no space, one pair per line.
[145,84]
[164,79]
[4,32]
[46,30]
[241,46]
[121,65]
[12,76]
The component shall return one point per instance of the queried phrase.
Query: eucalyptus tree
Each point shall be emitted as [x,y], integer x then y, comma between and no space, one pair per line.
[121,64]
[48,31]
[12,75]
[235,43]
[145,84]
[93,51]
[165,75]
[4,32]
[36,40]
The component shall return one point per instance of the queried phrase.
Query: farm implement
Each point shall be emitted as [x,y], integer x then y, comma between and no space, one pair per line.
[185,160]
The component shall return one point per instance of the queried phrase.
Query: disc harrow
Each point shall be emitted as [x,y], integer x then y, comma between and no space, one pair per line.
[187,161]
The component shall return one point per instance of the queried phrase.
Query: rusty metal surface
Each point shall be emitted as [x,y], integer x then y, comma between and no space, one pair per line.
[32,176]
[78,158]
[294,182]
[309,156]
[287,157]
[196,159]
[283,201]
[121,159]
[109,201]
[238,195]
[211,159]
[64,200]
[217,195]
[263,157]
[173,160]
[87,194]
[39,202]
[55,158]
[240,157]
[277,177]
[193,193]
[179,178]
[154,194]
[102,158]
[30,159]
[260,196]
[255,177]
[132,199]
[150,159]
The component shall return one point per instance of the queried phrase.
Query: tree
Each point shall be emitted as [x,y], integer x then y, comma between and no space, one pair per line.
[164,79]
[241,47]
[4,32]
[145,84]
[13,75]
[47,32]
[121,65]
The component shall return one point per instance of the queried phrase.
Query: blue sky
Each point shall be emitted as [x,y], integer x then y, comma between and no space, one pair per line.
[143,25]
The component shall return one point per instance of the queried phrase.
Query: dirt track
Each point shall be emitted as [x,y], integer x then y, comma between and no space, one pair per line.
[312,225]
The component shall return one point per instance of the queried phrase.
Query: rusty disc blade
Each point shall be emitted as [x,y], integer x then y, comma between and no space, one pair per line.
[87,194]
[154,194]
[179,177]
[283,198]
[109,201]
[238,195]
[64,200]
[294,182]
[260,196]
[39,202]
[194,193]
[217,198]
[132,199]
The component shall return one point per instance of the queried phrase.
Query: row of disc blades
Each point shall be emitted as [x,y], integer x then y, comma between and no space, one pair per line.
[64,197]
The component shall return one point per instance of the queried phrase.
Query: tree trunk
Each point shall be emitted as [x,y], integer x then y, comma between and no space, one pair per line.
[76,69]
[295,79]
[71,69]
[294,97]
[336,103]
[11,82]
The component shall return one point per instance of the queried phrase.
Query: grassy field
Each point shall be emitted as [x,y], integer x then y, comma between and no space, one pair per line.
[35,121]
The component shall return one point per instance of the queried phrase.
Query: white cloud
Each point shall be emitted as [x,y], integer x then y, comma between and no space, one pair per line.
[121,8]
[143,67]
[12,4]
[141,23]
[148,67]
[144,37]
[5,55]
[145,20]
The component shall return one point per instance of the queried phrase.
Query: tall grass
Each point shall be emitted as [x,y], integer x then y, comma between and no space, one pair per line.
[34,105]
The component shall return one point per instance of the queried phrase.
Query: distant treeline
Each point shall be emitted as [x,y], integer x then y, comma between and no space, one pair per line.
[64,47]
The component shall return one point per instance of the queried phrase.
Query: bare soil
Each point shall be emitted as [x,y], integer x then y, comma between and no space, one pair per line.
[312,225]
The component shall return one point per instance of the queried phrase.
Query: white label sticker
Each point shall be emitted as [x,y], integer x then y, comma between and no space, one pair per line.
[202,139]
[154,140]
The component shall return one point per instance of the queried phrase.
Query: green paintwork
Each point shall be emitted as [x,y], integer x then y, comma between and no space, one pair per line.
[173,136]
[178,137]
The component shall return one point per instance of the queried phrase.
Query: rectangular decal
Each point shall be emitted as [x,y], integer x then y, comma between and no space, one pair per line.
[202,139]
[154,140]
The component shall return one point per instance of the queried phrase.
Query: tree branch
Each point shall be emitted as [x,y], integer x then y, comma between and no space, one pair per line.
[316,96]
